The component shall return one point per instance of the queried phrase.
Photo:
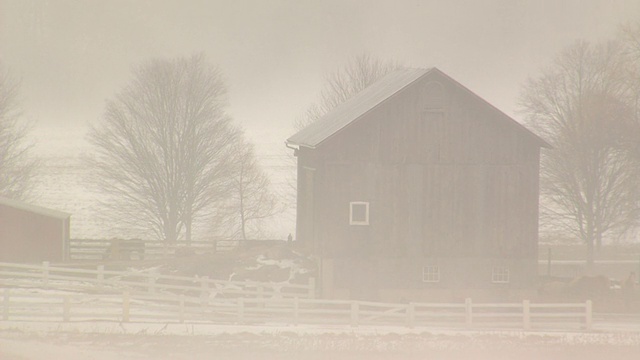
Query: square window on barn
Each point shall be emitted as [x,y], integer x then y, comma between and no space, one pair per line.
[500,274]
[358,213]
[431,274]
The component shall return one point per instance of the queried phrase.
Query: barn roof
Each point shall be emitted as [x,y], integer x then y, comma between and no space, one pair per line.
[372,96]
[33,208]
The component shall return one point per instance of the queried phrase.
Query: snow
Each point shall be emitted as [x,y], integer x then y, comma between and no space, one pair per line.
[102,341]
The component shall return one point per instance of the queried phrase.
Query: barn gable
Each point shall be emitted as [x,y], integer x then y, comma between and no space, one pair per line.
[374,96]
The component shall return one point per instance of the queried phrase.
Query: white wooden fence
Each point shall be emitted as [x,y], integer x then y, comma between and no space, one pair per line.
[98,249]
[19,305]
[105,281]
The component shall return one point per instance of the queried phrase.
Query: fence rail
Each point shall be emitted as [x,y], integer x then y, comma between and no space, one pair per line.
[135,249]
[127,307]
[105,281]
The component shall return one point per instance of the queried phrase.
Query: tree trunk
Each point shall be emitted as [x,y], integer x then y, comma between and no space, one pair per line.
[243,225]
[170,234]
[590,252]
[187,226]
[171,228]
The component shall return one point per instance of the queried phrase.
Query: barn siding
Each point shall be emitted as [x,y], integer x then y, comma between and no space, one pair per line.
[28,237]
[446,178]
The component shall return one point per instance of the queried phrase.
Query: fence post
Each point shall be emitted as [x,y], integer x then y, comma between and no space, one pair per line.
[125,306]
[204,286]
[100,276]
[45,273]
[296,310]
[468,311]
[66,309]
[411,314]
[261,296]
[151,281]
[588,316]
[181,311]
[240,310]
[246,285]
[526,315]
[5,312]
[204,290]
[312,288]
[355,308]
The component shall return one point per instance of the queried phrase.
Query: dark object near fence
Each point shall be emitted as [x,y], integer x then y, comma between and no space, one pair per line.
[122,249]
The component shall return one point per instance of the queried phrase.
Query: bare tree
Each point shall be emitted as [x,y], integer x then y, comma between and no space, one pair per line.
[17,167]
[581,106]
[340,85]
[163,152]
[630,38]
[253,200]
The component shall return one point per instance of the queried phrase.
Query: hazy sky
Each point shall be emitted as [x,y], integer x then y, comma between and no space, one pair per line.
[72,55]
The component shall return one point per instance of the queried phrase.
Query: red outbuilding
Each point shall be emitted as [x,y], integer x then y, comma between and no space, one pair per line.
[30,233]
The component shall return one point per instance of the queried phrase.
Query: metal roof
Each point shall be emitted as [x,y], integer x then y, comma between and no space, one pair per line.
[372,96]
[355,107]
[33,208]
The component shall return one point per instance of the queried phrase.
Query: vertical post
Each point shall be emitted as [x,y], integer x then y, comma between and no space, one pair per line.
[204,286]
[296,310]
[468,312]
[66,309]
[526,315]
[261,296]
[125,306]
[240,310]
[355,308]
[6,304]
[246,286]
[204,291]
[45,273]
[411,315]
[181,310]
[100,276]
[549,261]
[151,281]
[312,288]
[588,315]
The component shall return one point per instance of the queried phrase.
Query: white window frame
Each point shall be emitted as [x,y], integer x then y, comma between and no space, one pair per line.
[431,274]
[356,222]
[500,275]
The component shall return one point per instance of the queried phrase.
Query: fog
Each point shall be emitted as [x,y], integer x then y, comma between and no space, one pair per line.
[70,57]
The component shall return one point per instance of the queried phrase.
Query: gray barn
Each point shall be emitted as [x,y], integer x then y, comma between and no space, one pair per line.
[418,189]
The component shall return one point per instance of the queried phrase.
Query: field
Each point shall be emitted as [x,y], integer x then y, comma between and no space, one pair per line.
[312,343]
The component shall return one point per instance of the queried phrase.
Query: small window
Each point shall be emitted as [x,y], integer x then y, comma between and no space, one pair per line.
[359,213]
[500,274]
[431,274]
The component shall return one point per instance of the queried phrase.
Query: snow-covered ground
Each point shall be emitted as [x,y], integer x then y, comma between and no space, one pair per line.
[63,181]
[172,342]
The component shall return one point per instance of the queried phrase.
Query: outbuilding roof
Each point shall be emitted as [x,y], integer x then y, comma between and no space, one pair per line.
[33,208]
[368,99]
